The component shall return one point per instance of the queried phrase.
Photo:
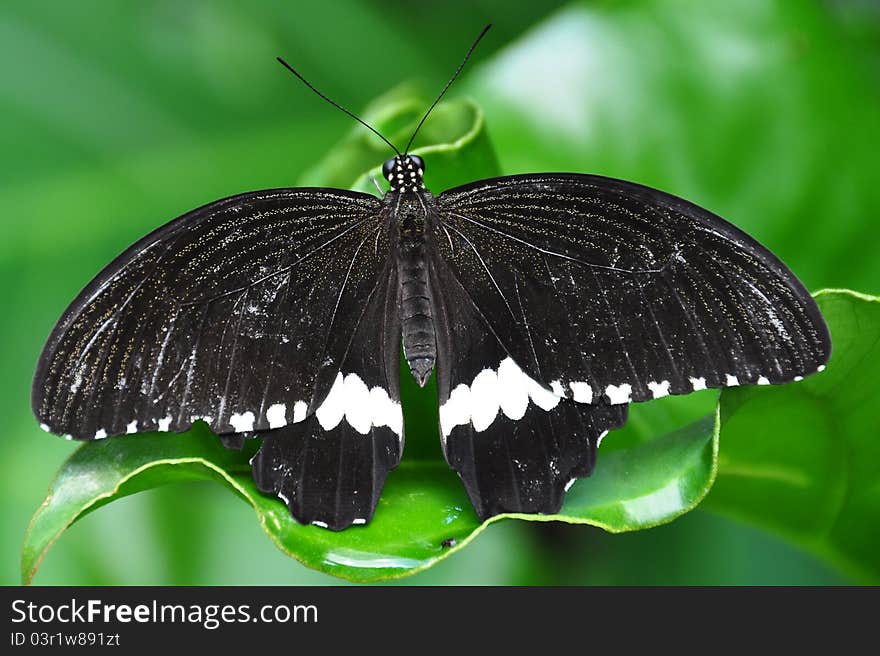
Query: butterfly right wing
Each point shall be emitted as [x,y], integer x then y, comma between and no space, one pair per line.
[516,445]
[607,289]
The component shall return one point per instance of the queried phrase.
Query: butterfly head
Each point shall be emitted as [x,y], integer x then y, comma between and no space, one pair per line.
[404,172]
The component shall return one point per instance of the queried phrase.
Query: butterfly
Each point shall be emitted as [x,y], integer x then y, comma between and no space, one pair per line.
[544,304]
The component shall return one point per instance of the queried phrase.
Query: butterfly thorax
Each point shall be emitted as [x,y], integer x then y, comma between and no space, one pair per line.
[410,211]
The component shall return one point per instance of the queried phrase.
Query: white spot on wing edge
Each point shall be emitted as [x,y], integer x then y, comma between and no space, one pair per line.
[541,397]
[570,483]
[618,394]
[660,389]
[600,438]
[457,409]
[485,399]
[332,410]
[132,427]
[581,392]
[100,434]
[318,522]
[242,423]
[165,424]
[509,390]
[798,379]
[821,368]
[359,520]
[763,380]
[513,389]
[46,428]
[277,415]
[698,383]
[300,408]
[358,412]
[731,380]
[385,412]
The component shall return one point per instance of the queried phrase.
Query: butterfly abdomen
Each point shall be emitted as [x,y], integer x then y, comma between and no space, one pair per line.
[416,315]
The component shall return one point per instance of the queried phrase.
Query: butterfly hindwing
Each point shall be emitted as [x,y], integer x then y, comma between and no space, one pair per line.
[516,445]
[237,313]
[610,291]
[330,469]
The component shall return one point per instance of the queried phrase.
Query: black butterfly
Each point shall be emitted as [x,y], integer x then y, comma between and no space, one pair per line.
[546,303]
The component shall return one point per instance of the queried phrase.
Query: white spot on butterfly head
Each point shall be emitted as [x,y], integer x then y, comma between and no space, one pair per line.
[660,389]
[763,380]
[276,415]
[581,392]
[242,423]
[698,383]
[618,394]
[332,410]
[165,423]
[100,434]
[731,381]
[132,427]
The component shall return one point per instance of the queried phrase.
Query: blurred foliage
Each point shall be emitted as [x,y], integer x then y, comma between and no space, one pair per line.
[815,477]
[764,112]
[423,516]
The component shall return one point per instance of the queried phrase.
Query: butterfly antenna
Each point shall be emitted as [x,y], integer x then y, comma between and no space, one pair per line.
[338,106]
[448,84]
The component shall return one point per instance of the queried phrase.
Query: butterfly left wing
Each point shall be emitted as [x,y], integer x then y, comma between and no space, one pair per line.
[330,468]
[245,313]
[606,290]
[238,313]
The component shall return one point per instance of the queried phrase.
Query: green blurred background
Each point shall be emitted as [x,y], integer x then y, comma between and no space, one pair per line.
[118,116]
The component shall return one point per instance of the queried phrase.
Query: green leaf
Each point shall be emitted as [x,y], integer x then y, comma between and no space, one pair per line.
[802,460]
[423,516]
[458,147]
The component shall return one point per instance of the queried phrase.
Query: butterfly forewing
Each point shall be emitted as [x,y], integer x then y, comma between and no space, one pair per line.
[609,291]
[238,313]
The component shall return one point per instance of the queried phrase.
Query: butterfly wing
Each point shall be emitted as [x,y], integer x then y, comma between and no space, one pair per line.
[330,468]
[242,313]
[606,290]
[515,444]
